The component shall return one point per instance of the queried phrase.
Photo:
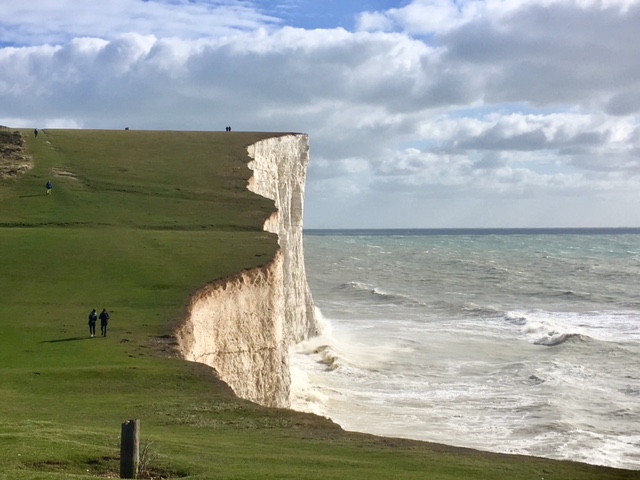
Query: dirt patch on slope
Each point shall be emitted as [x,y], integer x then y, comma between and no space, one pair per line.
[13,160]
[63,173]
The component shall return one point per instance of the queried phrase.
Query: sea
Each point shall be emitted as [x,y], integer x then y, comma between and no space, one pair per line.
[514,341]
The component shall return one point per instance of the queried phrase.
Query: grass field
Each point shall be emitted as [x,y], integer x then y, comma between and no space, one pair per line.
[136,223]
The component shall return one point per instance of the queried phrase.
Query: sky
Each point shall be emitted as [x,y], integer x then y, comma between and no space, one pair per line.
[421,113]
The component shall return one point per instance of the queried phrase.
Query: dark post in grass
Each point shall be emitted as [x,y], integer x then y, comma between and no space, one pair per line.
[129,448]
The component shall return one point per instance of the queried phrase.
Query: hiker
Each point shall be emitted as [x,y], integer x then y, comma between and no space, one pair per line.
[104,322]
[93,318]
[49,187]
[35,132]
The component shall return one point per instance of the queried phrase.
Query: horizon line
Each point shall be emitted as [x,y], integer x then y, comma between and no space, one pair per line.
[522,230]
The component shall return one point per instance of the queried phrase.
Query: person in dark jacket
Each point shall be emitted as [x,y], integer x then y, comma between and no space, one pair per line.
[49,187]
[93,318]
[104,322]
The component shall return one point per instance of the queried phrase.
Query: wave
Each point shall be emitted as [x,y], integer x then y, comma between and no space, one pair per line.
[378,295]
[328,356]
[571,295]
[552,340]
[358,287]
[516,318]
[348,349]
[546,332]
[321,350]
[481,310]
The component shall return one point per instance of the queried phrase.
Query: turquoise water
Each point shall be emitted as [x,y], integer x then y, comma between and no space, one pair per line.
[519,342]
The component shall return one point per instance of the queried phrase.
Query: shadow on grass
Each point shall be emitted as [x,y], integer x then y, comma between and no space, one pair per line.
[34,195]
[70,339]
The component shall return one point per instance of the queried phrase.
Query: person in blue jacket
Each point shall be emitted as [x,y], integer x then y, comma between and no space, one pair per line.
[49,187]
[104,322]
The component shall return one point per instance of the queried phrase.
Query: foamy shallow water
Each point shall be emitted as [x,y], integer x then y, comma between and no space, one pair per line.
[464,362]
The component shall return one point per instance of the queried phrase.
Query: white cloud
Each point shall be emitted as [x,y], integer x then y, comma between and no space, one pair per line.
[44,21]
[374,21]
[437,17]
[468,100]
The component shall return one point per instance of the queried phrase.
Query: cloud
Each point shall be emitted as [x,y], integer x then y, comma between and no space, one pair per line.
[374,21]
[42,21]
[469,101]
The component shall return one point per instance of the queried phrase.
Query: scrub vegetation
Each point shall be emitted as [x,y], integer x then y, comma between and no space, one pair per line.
[136,222]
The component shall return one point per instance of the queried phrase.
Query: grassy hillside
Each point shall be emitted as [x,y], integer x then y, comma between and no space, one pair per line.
[136,222]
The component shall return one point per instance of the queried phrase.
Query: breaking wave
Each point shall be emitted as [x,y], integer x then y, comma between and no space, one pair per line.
[545,332]
[554,338]
[377,295]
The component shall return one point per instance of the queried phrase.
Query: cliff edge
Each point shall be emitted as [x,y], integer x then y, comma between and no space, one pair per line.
[245,325]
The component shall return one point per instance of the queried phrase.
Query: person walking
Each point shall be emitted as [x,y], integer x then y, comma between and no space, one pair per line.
[49,187]
[104,322]
[93,318]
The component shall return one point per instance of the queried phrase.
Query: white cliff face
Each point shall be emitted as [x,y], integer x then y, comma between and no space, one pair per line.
[244,326]
[280,172]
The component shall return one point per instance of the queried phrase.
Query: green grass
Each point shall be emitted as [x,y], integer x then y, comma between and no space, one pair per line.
[136,223]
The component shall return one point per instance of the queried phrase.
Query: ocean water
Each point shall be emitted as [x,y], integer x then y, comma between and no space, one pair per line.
[521,342]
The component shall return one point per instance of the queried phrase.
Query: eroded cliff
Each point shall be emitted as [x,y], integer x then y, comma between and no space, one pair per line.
[245,325]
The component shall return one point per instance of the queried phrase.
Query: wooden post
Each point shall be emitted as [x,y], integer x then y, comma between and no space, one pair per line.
[130,449]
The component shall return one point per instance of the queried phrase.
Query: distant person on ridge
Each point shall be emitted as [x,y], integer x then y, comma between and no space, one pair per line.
[35,132]
[104,322]
[93,318]
[49,187]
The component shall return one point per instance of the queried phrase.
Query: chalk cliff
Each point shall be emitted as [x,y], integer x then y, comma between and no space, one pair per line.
[245,325]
